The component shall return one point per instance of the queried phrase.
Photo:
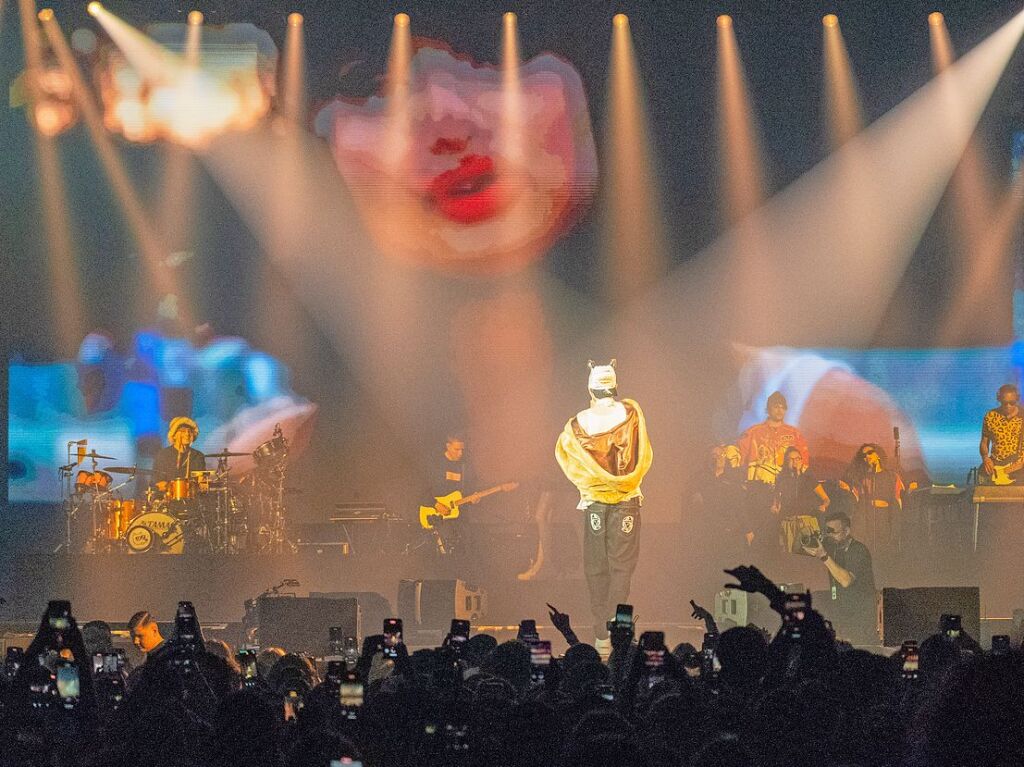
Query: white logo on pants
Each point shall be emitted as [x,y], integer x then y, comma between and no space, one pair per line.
[627,525]
[595,522]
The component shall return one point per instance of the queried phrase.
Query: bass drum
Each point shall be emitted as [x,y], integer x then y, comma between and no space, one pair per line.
[155,531]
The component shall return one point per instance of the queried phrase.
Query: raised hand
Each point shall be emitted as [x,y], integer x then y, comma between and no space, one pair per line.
[750,579]
[559,620]
[699,612]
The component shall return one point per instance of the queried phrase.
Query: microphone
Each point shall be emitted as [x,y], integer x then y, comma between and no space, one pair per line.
[896,433]
[290,583]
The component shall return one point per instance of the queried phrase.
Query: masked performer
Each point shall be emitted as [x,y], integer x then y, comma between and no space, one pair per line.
[605,453]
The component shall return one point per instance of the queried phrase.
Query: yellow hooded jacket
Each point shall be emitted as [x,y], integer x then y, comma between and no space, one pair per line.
[594,483]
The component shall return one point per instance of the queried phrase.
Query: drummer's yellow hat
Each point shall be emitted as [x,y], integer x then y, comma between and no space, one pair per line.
[182,421]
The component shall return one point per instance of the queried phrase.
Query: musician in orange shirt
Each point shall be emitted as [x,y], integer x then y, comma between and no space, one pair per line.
[763,446]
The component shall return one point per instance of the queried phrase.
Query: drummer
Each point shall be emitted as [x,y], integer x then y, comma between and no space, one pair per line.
[179,459]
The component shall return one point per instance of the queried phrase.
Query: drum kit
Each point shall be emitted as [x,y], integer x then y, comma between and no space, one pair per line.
[208,510]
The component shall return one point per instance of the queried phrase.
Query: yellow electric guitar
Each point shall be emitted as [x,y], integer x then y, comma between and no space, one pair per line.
[1002,473]
[447,506]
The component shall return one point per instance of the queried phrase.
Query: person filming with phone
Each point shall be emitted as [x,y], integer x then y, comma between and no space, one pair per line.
[851,580]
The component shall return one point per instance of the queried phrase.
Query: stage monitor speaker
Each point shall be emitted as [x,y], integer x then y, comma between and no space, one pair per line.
[301,624]
[738,608]
[432,604]
[914,613]
[373,608]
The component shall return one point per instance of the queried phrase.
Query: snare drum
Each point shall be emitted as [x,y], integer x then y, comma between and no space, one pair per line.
[119,517]
[178,489]
[155,531]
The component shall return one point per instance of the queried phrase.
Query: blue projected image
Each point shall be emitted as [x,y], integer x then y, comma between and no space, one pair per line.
[840,398]
[121,402]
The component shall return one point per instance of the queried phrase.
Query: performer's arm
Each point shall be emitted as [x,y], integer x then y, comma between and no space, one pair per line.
[820,492]
[984,447]
[843,576]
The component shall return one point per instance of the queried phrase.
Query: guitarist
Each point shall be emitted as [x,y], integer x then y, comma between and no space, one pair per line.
[1001,435]
[452,476]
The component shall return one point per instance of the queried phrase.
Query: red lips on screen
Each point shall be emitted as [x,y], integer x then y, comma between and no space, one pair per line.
[468,193]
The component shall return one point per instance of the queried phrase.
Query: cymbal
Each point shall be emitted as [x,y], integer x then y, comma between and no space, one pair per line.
[94,455]
[126,470]
[225,453]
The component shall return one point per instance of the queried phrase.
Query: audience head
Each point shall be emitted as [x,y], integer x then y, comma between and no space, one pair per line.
[478,647]
[144,631]
[743,653]
[97,637]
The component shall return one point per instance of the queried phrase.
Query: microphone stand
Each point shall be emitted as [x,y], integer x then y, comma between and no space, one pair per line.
[67,497]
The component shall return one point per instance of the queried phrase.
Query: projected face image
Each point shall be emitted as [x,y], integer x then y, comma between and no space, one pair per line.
[457,192]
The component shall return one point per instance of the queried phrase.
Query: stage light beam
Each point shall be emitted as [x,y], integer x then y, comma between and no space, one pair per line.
[293,96]
[942,46]
[742,167]
[67,312]
[153,255]
[845,116]
[512,109]
[397,85]
[979,246]
[634,243]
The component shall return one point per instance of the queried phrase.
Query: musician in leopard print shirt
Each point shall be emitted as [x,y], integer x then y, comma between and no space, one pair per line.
[1001,432]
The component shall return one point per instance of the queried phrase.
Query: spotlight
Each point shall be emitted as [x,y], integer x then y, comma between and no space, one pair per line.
[195,18]
[831,20]
[936,19]
[620,19]
[295,19]
[509,17]
[724,21]
[94,8]
[402,19]
[46,14]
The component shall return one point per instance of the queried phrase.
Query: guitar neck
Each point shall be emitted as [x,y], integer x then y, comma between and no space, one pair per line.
[469,499]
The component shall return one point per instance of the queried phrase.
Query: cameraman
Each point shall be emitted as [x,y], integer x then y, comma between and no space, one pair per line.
[852,610]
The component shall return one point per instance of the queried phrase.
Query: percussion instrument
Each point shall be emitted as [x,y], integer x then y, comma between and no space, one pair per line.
[763,471]
[92,481]
[118,518]
[178,489]
[204,481]
[271,453]
[225,453]
[93,455]
[155,531]
[133,470]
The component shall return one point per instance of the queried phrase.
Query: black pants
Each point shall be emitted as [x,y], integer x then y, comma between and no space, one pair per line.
[611,546]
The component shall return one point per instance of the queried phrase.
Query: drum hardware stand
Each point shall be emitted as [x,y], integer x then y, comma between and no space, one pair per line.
[67,493]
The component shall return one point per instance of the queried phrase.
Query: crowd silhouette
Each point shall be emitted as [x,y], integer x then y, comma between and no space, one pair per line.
[743,699]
